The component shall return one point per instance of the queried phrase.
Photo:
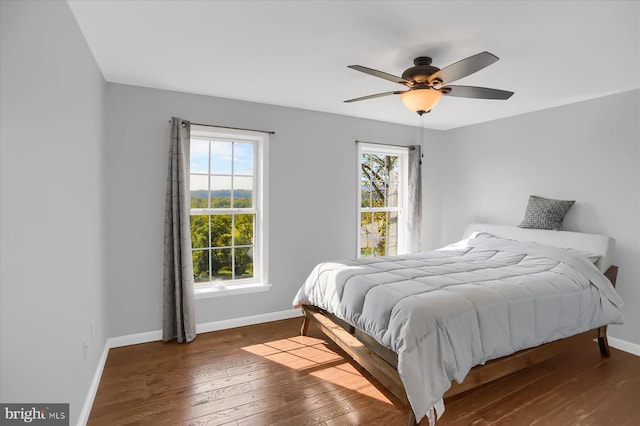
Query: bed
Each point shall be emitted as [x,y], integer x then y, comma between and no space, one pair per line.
[434,324]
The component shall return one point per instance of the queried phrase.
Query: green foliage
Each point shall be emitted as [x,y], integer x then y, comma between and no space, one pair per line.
[223,240]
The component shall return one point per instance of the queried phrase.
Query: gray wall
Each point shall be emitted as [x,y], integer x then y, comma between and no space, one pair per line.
[312,188]
[52,211]
[588,152]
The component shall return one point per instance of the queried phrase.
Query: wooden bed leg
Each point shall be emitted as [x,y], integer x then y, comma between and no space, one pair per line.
[305,325]
[411,418]
[603,342]
[612,275]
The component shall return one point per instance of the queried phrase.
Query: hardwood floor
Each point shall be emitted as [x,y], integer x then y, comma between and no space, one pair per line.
[268,374]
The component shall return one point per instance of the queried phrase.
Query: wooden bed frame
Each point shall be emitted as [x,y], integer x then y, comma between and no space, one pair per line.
[382,363]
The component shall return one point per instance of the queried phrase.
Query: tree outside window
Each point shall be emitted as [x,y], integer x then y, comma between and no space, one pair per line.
[381,181]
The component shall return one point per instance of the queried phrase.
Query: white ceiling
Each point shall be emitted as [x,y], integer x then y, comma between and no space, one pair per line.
[295,53]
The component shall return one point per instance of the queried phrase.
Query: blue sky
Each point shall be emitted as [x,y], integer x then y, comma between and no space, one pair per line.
[224,156]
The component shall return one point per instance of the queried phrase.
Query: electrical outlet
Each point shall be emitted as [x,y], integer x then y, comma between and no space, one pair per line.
[85,347]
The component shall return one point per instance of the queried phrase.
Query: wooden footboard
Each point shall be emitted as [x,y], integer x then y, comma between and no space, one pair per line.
[383,366]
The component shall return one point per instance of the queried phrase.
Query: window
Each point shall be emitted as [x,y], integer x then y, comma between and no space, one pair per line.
[228,230]
[382,200]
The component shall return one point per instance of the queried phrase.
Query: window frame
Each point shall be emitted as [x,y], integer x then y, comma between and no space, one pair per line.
[403,187]
[260,142]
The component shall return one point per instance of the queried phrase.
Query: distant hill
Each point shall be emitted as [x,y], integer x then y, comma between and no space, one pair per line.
[222,193]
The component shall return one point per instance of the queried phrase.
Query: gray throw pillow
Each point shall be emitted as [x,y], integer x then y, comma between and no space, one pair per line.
[544,213]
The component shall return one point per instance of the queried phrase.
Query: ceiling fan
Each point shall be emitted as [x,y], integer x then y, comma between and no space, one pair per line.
[427,84]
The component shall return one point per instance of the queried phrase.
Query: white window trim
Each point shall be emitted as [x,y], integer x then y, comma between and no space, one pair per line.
[403,202]
[260,281]
[208,291]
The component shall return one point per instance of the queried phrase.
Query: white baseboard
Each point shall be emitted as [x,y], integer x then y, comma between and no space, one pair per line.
[134,339]
[623,345]
[152,336]
[93,388]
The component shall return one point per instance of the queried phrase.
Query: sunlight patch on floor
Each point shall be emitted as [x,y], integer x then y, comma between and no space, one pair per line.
[311,355]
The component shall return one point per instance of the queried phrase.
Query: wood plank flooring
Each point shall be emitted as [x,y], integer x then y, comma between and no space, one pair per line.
[267,374]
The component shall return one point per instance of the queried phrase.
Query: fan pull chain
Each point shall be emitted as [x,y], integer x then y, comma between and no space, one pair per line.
[421,138]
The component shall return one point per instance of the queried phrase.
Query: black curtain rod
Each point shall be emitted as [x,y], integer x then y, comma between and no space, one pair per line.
[270,132]
[387,144]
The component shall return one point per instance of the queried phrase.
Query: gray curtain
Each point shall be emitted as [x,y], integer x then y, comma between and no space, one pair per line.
[178,316]
[414,216]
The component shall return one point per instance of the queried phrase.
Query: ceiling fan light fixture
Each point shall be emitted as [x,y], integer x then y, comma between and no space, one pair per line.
[426,83]
[420,100]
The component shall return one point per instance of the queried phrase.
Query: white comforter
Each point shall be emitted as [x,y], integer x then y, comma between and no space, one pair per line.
[447,310]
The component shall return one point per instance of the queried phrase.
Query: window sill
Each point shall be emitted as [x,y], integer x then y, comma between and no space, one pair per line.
[221,290]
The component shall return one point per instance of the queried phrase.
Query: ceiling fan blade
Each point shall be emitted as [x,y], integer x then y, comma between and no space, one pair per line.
[475,92]
[377,95]
[380,74]
[464,67]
